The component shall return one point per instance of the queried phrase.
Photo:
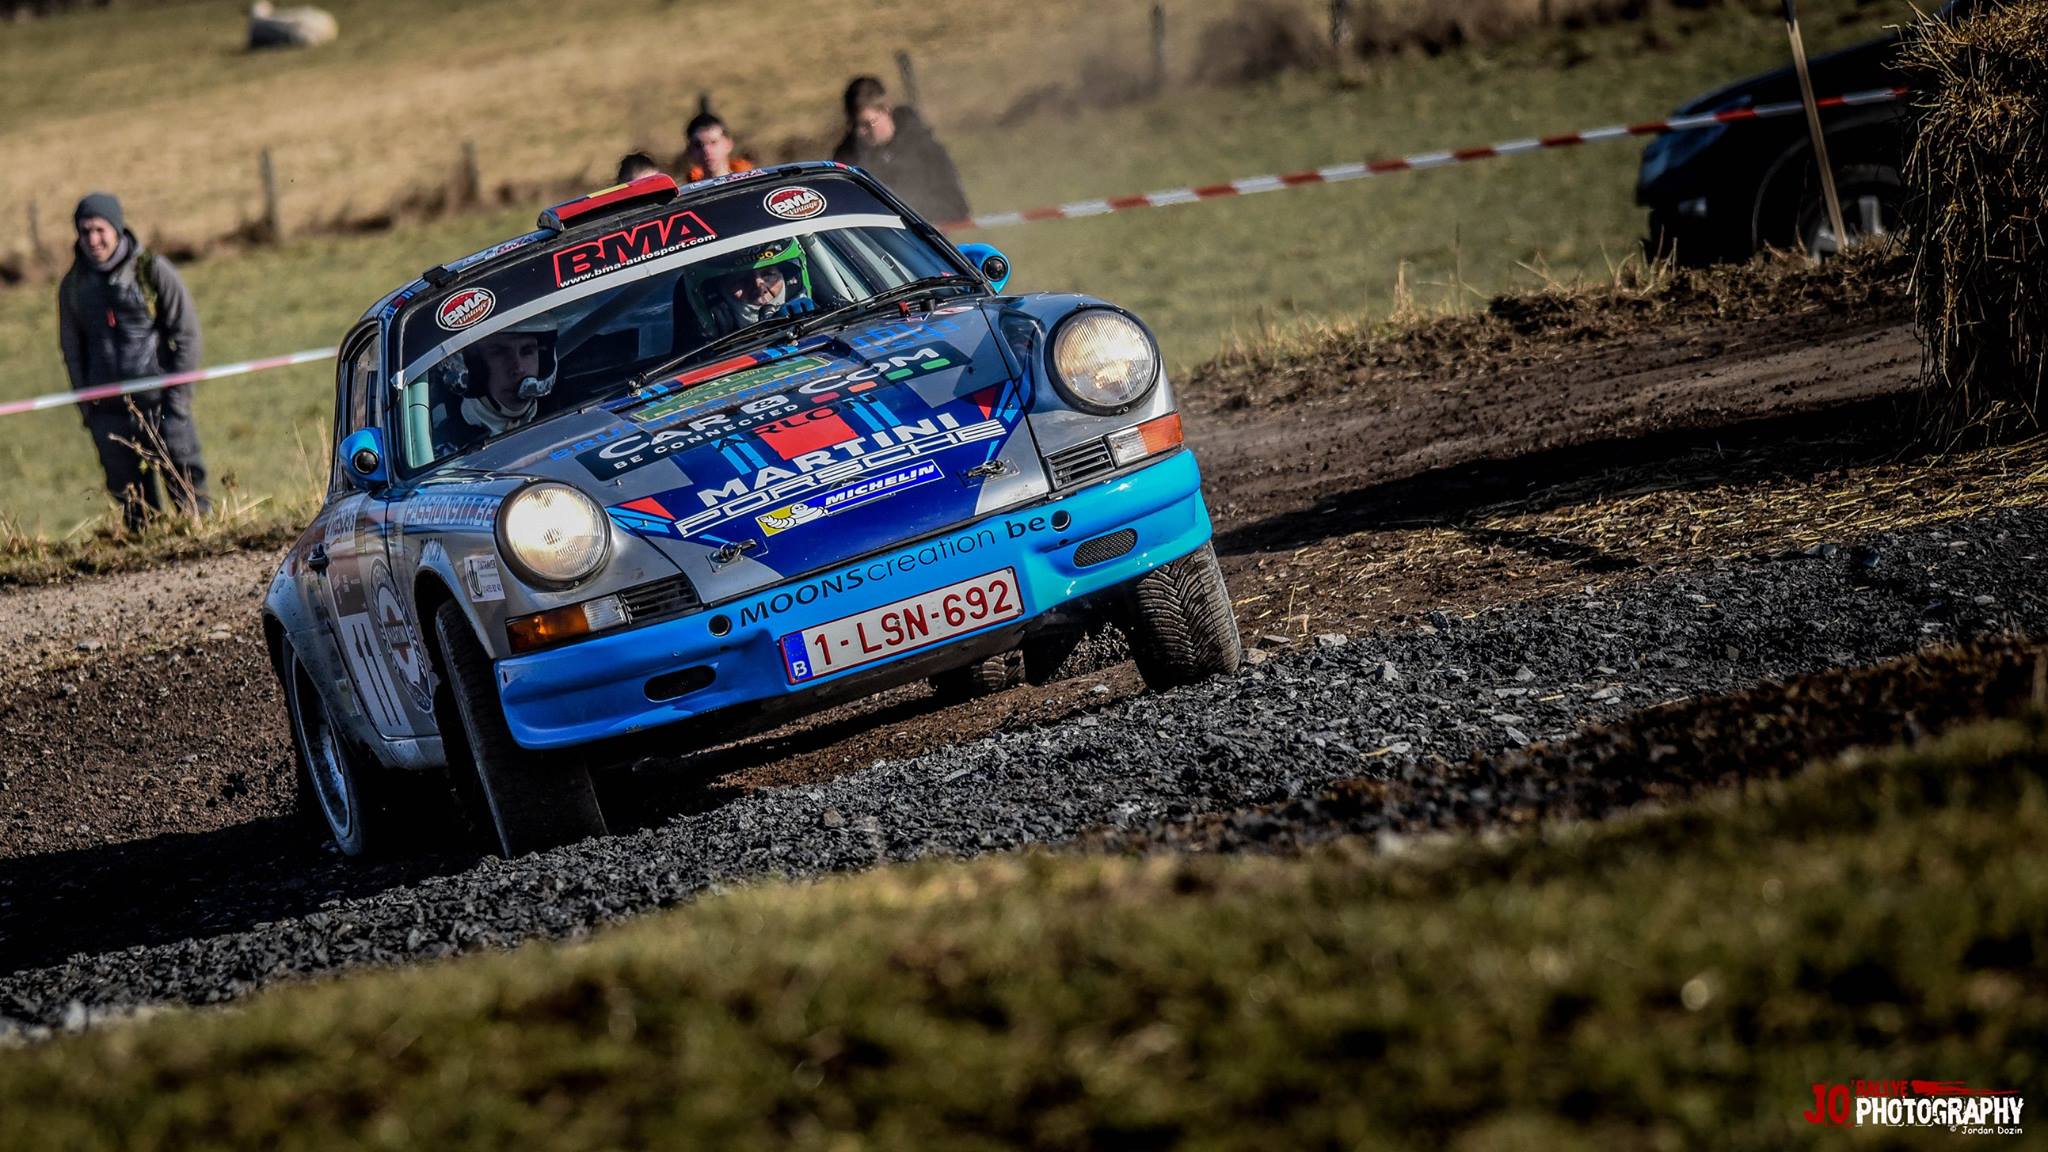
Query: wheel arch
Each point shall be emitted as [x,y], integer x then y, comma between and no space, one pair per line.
[430,590]
[274,643]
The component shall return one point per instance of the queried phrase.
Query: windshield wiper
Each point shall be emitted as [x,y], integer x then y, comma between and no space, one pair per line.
[923,286]
[712,347]
[804,323]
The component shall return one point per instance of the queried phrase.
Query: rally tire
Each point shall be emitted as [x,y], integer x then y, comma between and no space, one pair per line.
[1182,626]
[522,802]
[984,677]
[342,793]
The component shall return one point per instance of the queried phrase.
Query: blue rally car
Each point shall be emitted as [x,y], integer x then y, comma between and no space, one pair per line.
[681,464]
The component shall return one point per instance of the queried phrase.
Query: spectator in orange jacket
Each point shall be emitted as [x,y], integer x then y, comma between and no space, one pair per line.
[710,152]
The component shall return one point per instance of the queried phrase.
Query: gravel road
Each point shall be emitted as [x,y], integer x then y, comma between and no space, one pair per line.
[1306,714]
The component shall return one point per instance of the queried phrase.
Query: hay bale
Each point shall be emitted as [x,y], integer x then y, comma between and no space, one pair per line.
[303,27]
[1979,174]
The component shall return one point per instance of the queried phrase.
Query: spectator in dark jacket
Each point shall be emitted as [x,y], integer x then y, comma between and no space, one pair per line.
[893,144]
[122,314]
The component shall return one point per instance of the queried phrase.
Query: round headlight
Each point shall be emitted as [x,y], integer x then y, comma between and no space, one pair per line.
[554,534]
[1103,360]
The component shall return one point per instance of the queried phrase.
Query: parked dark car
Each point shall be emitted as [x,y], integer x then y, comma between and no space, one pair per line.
[1728,191]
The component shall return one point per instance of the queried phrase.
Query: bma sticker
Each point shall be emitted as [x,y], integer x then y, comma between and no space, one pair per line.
[795,202]
[465,308]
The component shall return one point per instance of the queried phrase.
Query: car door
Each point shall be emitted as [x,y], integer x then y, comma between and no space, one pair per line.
[379,642]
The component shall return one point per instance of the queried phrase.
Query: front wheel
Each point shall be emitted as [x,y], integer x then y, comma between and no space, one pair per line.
[1182,627]
[515,796]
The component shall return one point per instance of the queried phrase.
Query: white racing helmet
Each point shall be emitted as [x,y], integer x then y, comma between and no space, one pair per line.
[464,374]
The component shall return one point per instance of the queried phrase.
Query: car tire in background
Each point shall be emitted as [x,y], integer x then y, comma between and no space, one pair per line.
[1873,198]
[521,800]
[341,791]
[984,677]
[1182,626]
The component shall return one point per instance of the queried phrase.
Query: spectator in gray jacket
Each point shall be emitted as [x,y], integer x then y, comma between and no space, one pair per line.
[892,142]
[122,314]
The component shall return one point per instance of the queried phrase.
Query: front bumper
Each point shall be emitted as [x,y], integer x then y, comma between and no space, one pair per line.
[596,689]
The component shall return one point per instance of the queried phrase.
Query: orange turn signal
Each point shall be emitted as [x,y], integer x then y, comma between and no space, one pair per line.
[1130,445]
[1161,434]
[544,628]
[541,629]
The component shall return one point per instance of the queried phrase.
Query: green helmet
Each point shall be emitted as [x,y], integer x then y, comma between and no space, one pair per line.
[785,252]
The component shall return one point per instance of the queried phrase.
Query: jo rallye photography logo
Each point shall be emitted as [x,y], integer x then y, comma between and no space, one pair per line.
[1949,1104]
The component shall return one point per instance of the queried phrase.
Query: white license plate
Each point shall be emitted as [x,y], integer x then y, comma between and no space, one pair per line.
[916,622]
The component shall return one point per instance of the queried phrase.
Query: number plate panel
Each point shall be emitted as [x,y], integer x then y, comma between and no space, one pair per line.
[903,626]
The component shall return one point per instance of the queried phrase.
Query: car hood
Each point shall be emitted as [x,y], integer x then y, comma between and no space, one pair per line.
[1869,64]
[783,461]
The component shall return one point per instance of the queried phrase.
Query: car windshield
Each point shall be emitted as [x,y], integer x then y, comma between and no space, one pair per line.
[575,323]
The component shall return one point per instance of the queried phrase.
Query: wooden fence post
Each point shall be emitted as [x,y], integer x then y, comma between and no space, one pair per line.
[1158,47]
[1340,27]
[35,235]
[273,220]
[911,96]
[469,189]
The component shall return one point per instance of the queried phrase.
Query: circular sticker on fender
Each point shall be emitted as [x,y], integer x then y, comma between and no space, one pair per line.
[795,203]
[465,308]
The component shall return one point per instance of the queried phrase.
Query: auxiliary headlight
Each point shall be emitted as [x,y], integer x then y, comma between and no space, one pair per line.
[1103,361]
[553,534]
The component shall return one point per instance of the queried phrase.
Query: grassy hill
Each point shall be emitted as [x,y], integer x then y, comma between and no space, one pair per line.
[545,95]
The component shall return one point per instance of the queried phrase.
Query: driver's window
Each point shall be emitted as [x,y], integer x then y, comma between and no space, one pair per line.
[354,403]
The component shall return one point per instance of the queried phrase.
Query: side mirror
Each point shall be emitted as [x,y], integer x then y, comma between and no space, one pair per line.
[994,266]
[362,457]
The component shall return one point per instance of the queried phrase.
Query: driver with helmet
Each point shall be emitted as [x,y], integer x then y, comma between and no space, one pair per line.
[765,283]
[494,385]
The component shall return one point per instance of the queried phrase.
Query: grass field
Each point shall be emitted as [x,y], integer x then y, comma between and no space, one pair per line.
[1671,980]
[1204,275]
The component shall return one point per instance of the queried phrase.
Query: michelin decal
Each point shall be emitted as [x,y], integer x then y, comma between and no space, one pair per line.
[851,496]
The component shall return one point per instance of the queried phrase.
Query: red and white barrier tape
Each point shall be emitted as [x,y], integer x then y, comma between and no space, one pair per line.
[151,383]
[1339,173]
[1335,174]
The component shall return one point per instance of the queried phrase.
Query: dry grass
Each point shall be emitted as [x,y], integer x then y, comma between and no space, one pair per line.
[368,131]
[1629,522]
[1659,516]
[1439,327]
[100,545]
[1980,171]
[549,92]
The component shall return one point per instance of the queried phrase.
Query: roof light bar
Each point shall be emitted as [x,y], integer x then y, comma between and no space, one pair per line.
[654,188]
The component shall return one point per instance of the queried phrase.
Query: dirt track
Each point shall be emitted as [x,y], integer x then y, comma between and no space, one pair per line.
[146,772]
[146,707]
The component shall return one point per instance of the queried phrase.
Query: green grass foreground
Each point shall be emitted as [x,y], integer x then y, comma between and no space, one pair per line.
[1670,980]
